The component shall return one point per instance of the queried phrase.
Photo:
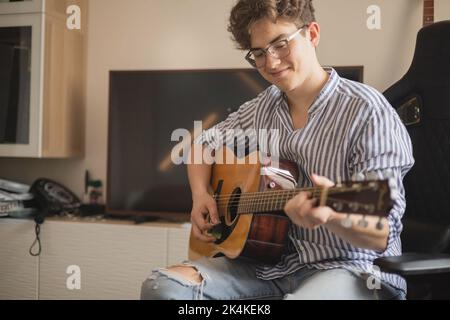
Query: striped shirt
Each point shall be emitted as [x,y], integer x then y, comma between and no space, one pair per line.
[352,132]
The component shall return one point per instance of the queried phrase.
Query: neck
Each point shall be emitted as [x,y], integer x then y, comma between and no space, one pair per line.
[301,98]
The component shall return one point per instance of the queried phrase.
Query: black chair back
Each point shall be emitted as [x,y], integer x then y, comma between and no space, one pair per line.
[423,96]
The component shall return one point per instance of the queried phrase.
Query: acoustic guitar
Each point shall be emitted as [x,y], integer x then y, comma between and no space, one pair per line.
[250,199]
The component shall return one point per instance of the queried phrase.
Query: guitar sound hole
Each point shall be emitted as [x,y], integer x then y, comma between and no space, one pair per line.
[233,206]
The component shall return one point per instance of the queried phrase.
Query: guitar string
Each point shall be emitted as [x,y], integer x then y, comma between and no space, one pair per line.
[224,205]
[270,205]
[313,189]
[331,198]
[271,196]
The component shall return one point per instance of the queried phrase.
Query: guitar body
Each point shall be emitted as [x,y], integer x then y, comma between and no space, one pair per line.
[250,198]
[258,235]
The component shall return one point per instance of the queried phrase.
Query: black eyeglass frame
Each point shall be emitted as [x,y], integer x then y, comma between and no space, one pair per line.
[270,46]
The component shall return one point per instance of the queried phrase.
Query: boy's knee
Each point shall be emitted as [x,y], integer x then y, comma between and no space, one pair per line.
[148,290]
[170,283]
[187,272]
[151,290]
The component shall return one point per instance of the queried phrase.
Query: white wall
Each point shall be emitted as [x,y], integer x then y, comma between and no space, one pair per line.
[191,34]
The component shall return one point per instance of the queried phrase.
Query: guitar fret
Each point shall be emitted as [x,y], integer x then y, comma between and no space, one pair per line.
[247,205]
[276,199]
[287,196]
[272,201]
[269,203]
[280,199]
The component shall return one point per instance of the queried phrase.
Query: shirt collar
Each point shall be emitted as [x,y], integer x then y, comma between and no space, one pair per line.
[324,94]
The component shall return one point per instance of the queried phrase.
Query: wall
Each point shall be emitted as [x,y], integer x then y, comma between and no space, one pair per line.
[190,34]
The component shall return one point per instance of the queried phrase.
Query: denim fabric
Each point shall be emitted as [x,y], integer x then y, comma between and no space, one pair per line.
[226,279]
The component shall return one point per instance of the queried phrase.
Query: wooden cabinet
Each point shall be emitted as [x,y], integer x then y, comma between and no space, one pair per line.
[27,6]
[113,258]
[18,269]
[44,116]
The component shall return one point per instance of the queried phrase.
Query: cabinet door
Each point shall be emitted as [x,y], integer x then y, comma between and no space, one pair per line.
[25,6]
[178,244]
[20,84]
[18,269]
[55,89]
[113,260]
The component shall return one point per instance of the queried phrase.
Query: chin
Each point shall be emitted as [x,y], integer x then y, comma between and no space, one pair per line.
[286,86]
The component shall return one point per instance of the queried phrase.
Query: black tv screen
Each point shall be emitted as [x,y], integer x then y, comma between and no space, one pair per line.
[145,107]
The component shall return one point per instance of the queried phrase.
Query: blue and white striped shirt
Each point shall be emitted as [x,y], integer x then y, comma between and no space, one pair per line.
[352,131]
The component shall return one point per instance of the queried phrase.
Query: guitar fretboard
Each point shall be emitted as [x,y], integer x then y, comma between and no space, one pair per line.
[266,202]
[428,12]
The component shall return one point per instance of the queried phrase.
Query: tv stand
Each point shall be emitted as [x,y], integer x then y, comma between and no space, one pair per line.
[114,256]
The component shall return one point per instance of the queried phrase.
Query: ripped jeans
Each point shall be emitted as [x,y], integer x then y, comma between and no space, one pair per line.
[226,279]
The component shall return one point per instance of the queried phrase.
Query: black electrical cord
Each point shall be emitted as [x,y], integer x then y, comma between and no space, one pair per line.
[39,219]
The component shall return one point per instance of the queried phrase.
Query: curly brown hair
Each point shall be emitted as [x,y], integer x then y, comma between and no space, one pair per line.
[246,12]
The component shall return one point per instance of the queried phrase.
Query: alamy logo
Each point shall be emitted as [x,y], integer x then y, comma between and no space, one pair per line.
[74,17]
[374,20]
[73,281]
[238,141]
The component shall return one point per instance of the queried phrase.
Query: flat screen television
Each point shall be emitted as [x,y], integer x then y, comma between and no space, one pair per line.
[145,107]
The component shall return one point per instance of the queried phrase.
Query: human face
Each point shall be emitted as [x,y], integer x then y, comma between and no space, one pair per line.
[291,72]
[279,49]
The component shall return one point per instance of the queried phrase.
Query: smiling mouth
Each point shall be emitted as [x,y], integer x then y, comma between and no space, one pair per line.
[278,74]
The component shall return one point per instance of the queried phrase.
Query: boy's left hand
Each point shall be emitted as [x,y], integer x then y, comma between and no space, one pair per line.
[303,210]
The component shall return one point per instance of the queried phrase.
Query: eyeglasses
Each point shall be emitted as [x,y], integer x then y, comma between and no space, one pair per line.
[279,49]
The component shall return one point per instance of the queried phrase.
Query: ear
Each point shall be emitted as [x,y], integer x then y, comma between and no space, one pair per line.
[314,33]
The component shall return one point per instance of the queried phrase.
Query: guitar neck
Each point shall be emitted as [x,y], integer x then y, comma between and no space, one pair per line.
[270,201]
[428,12]
[340,198]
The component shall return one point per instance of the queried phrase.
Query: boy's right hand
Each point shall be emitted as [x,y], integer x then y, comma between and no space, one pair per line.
[203,206]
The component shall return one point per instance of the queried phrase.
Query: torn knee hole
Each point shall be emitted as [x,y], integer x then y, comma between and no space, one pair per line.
[189,272]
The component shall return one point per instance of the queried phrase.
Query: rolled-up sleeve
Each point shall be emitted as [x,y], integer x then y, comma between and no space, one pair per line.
[382,150]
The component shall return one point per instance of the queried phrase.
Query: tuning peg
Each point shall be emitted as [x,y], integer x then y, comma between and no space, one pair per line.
[363,222]
[338,206]
[359,176]
[347,222]
[380,224]
[354,206]
[371,175]
[370,208]
[338,182]
[373,185]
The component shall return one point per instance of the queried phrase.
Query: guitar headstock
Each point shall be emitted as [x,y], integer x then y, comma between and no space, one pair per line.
[370,197]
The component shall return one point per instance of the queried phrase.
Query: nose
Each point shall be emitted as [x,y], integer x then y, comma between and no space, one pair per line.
[272,62]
